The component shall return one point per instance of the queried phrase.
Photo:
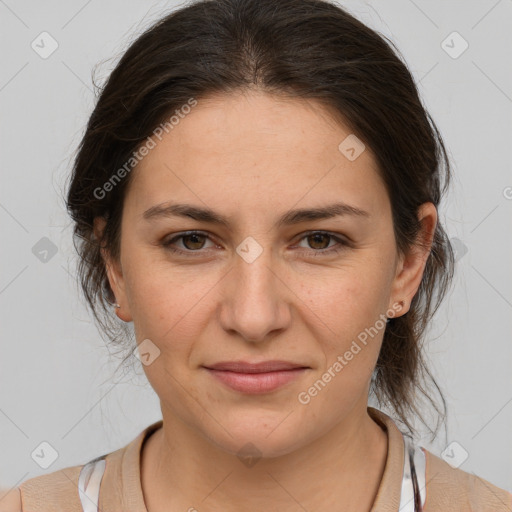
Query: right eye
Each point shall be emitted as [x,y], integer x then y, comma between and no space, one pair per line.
[191,240]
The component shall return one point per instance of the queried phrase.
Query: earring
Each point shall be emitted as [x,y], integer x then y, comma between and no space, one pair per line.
[402,303]
[115,304]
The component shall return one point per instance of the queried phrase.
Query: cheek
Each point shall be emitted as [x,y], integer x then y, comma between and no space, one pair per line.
[160,293]
[348,300]
[165,310]
[168,310]
[350,333]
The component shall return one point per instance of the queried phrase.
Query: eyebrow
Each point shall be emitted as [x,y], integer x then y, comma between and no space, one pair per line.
[166,210]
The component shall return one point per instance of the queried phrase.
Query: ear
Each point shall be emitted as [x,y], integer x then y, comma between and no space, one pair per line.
[411,266]
[114,274]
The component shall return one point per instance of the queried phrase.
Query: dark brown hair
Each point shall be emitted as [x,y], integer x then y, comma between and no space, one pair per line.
[304,49]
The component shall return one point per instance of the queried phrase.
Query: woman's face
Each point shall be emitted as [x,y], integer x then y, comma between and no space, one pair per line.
[267,284]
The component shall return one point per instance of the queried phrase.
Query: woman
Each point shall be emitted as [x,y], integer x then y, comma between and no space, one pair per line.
[257,193]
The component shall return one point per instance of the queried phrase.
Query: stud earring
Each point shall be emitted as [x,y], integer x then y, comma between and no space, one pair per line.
[114,304]
[402,303]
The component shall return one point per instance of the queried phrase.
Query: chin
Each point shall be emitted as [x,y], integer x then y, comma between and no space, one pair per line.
[260,436]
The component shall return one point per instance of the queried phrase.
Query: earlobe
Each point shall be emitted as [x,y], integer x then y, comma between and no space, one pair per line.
[114,275]
[120,305]
[120,314]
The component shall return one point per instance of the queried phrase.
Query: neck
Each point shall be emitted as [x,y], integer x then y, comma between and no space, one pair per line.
[182,470]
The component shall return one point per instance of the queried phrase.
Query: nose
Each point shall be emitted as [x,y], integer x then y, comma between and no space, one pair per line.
[256,297]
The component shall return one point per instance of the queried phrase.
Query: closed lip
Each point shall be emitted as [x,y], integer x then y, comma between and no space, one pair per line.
[261,367]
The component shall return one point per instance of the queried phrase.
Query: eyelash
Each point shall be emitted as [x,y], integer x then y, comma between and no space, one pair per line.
[340,247]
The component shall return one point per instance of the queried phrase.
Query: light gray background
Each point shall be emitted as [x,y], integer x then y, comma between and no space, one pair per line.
[56,381]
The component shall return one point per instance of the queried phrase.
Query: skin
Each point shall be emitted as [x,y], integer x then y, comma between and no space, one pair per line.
[252,156]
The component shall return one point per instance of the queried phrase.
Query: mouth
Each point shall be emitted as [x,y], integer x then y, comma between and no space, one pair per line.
[256,378]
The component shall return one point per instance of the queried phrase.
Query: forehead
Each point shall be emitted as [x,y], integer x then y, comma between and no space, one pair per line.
[256,148]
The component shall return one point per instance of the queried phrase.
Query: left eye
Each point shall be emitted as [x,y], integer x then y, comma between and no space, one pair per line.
[193,242]
[317,237]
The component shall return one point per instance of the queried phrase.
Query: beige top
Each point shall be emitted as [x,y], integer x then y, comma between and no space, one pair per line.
[447,489]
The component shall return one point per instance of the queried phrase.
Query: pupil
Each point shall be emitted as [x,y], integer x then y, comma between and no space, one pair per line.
[194,236]
[316,237]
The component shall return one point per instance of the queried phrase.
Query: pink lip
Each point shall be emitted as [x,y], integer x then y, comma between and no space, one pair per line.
[254,378]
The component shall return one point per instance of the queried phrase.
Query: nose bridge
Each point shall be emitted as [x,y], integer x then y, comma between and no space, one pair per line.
[253,268]
[254,306]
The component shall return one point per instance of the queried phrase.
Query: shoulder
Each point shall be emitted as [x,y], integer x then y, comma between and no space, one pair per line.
[10,500]
[59,486]
[454,489]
